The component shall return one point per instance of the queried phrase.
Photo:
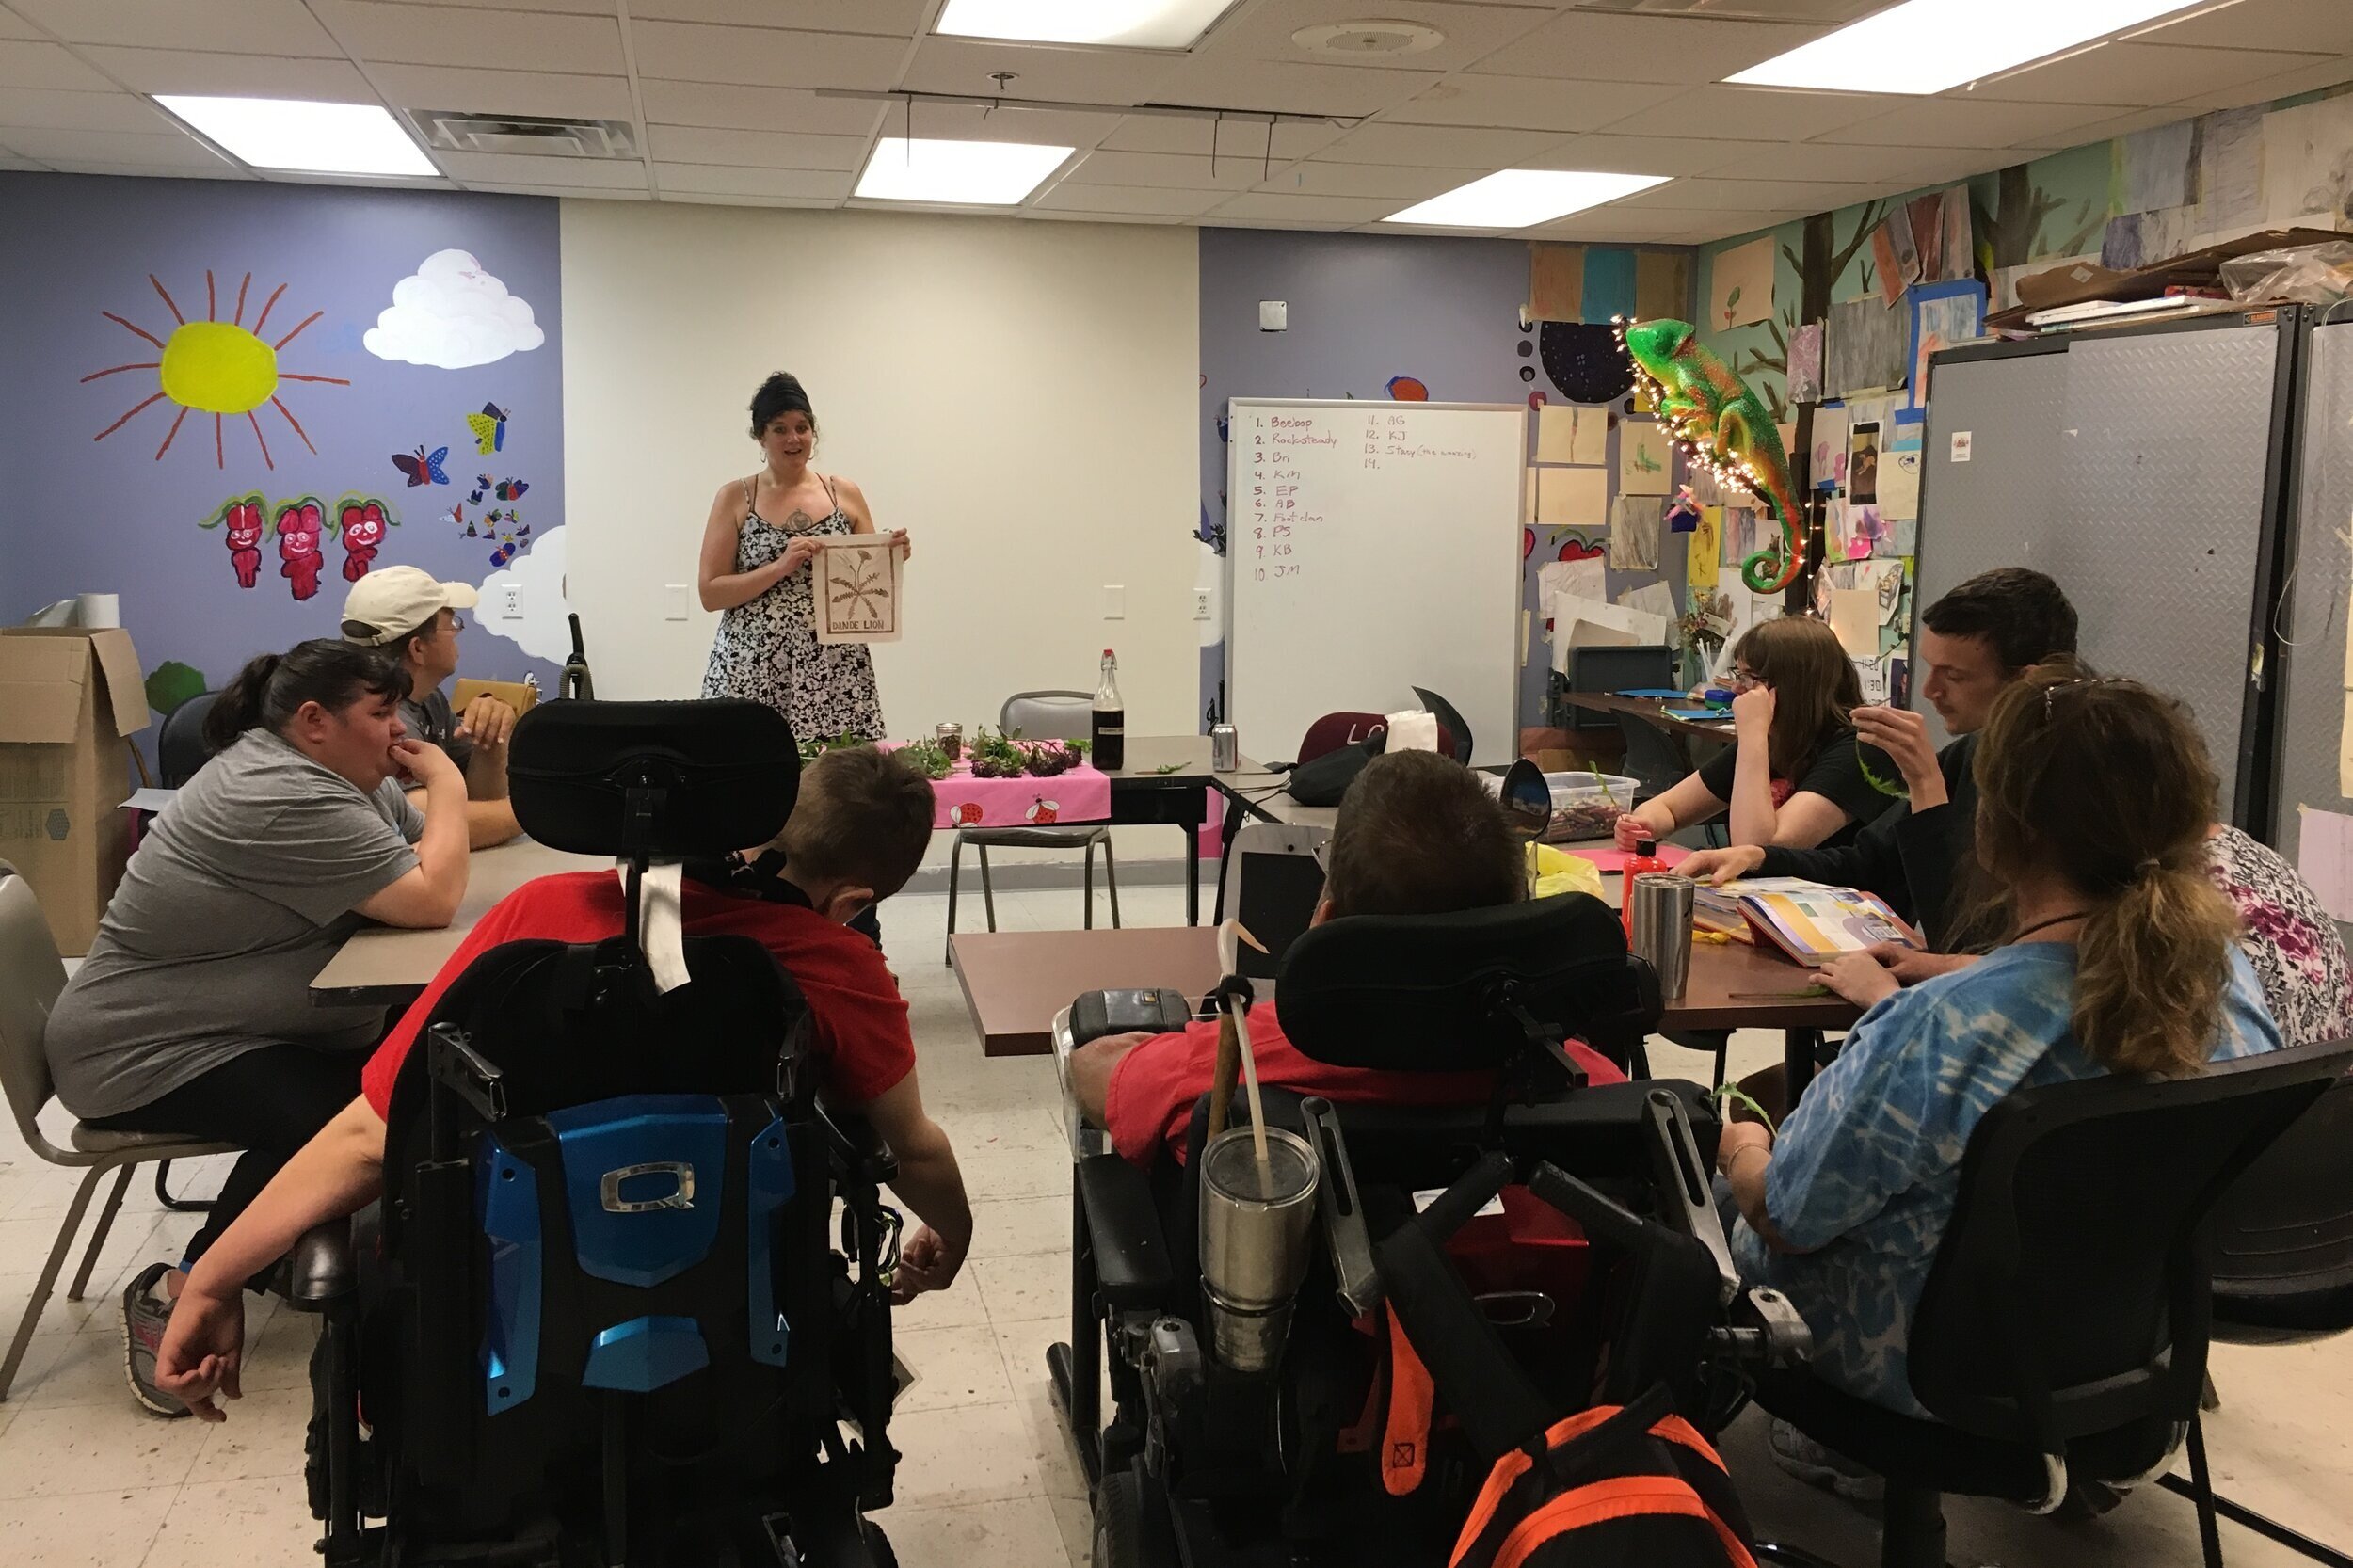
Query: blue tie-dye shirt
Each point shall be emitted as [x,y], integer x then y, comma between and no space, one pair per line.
[1865,1171]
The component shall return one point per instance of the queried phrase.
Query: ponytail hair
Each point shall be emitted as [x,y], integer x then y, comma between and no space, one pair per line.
[2105,784]
[272,687]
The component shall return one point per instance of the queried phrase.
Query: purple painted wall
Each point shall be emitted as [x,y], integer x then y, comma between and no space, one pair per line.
[1365,307]
[84,514]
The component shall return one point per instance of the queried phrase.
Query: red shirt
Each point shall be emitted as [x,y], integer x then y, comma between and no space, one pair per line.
[861,1022]
[1153,1088]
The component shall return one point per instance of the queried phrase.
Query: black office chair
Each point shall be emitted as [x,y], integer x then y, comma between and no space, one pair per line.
[1452,724]
[2282,1275]
[1658,761]
[609,1324]
[180,748]
[1037,717]
[2061,1333]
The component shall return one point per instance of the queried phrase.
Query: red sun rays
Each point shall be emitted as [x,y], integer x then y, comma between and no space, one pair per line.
[212,312]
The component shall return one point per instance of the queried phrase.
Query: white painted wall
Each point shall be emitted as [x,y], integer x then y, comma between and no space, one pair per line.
[1021,397]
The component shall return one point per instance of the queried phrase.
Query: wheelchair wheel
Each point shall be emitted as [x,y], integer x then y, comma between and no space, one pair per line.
[878,1545]
[1119,1521]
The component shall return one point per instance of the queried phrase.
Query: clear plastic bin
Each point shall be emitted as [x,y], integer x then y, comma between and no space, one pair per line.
[1585,805]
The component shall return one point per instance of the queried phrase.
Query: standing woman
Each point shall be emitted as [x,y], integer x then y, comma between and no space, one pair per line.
[763,535]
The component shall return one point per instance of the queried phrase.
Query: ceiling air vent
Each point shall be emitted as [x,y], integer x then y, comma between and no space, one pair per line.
[449,131]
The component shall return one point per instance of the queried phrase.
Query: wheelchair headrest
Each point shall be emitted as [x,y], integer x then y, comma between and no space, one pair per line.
[1423,993]
[653,780]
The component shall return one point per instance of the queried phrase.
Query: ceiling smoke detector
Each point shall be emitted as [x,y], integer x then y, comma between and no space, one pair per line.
[1356,39]
[451,131]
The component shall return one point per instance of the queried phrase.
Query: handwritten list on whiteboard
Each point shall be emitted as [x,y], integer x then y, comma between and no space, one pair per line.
[1375,547]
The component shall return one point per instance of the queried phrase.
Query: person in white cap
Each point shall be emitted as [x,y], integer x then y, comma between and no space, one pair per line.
[407,611]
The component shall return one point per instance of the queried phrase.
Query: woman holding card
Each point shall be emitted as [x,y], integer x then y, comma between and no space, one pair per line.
[762,535]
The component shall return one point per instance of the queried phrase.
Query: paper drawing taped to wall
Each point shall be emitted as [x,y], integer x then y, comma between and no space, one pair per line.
[451,313]
[299,525]
[221,368]
[490,428]
[857,589]
[424,468]
[504,489]
[240,516]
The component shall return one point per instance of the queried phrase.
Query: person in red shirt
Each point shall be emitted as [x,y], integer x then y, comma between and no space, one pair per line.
[859,827]
[1417,834]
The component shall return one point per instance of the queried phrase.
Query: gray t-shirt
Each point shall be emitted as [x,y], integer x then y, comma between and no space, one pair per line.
[430,718]
[240,893]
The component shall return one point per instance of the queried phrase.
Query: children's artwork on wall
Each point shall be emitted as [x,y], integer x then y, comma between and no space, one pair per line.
[1705,548]
[1568,434]
[360,524]
[2231,169]
[1900,468]
[240,518]
[1662,283]
[1634,530]
[299,525]
[1943,314]
[1740,286]
[1862,347]
[1406,389]
[1608,283]
[1806,364]
[1829,469]
[1573,497]
[1894,253]
[1862,462]
[424,468]
[1556,282]
[503,489]
[1866,531]
[1743,534]
[221,368]
[1645,459]
[2155,166]
[488,428]
[451,313]
[857,589]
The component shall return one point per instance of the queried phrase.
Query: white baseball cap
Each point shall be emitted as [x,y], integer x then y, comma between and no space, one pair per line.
[394,602]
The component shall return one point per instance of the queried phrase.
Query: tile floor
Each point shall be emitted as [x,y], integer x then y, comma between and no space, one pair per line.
[86,1480]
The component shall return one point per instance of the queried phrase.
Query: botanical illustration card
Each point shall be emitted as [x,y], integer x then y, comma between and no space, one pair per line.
[856,589]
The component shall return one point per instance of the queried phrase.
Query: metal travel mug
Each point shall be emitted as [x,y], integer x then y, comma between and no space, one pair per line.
[1254,1242]
[1225,748]
[1661,903]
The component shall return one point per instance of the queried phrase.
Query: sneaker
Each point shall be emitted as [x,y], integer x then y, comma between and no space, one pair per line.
[145,1311]
[1811,1462]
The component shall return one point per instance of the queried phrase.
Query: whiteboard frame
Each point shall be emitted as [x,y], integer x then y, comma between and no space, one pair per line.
[1520,633]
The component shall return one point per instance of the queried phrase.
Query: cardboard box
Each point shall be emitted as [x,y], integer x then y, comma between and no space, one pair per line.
[514,693]
[68,697]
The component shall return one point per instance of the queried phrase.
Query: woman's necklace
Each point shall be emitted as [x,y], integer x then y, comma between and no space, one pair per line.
[2054,919]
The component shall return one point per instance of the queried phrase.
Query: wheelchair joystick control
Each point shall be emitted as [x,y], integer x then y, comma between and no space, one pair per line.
[1254,1242]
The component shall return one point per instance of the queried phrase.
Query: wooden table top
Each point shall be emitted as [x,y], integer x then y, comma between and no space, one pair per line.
[385,964]
[1014,982]
[1650,710]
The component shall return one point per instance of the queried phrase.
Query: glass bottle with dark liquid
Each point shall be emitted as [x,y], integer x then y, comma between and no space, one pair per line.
[1111,719]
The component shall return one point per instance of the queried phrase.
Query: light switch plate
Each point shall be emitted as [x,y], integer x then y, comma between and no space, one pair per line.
[674,601]
[1114,601]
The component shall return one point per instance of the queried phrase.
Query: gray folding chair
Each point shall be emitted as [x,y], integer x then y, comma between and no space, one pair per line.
[1039,716]
[31,978]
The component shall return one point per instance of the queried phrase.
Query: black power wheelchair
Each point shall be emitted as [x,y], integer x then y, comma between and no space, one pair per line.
[1201,1464]
[604,1320]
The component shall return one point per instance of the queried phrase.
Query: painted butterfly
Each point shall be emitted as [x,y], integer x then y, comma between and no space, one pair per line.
[505,490]
[488,428]
[511,489]
[420,469]
[502,554]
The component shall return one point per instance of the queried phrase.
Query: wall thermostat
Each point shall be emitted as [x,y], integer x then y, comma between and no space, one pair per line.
[1273,315]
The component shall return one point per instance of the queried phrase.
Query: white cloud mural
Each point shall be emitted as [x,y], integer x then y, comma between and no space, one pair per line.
[451,313]
[543,630]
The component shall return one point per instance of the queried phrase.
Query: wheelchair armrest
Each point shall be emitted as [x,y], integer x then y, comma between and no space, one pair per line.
[861,1148]
[321,1270]
[1124,1232]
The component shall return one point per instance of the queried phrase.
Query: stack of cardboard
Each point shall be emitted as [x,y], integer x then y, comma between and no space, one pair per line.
[69,697]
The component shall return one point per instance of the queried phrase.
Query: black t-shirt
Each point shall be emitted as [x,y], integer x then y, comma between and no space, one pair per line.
[1834,771]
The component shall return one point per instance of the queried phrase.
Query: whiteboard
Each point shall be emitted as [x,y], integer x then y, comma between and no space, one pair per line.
[1373,548]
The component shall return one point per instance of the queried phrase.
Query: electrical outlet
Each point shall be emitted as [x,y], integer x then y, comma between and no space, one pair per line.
[1201,604]
[510,602]
[1114,601]
[674,601]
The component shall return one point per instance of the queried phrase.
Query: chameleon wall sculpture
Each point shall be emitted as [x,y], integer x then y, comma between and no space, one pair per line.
[1724,425]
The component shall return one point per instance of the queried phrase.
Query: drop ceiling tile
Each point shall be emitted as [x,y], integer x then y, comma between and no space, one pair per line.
[1471,32]
[688,144]
[748,108]
[1973,121]
[48,65]
[1072,76]
[13,25]
[214,170]
[1317,177]
[1236,138]
[1273,207]
[2310,78]
[1818,160]
[130,147]
[1170,171]
[482,91]
[893,17]
[2126,123]
[723,199]
[1591,46]
[1437,146]
[568,193]
[564,7]
[207,72]
[1137,200]
[81,111]
[2136,75]
[980,123]
[765,56]
[516,168]
[2321,26]
[1529,103]
[1333,90]
[241,26]
[1758,114]
[716,180]
[1623,154]
[1669,226]
[451,35]
[1813,196]
[1052,215]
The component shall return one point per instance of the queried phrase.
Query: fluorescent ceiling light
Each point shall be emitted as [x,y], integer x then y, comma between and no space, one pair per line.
[958,173]
[314,138]
[1517,198]
[1925,46]
[1125,24]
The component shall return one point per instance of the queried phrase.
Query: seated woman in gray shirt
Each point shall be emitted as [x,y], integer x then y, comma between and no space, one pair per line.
[192,1014]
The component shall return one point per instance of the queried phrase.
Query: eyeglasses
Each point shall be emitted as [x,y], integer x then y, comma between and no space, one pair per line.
[2056,686]
[457,623]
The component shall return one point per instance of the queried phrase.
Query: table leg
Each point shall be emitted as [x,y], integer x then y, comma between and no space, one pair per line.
[1798,1047]
[1193,858]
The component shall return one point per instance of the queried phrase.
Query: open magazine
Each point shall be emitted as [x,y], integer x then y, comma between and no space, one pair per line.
[1811,922]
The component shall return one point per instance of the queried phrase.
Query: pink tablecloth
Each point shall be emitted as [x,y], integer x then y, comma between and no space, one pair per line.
[1081,795]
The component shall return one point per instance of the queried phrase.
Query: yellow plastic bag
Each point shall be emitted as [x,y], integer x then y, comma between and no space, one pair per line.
[1557,873]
